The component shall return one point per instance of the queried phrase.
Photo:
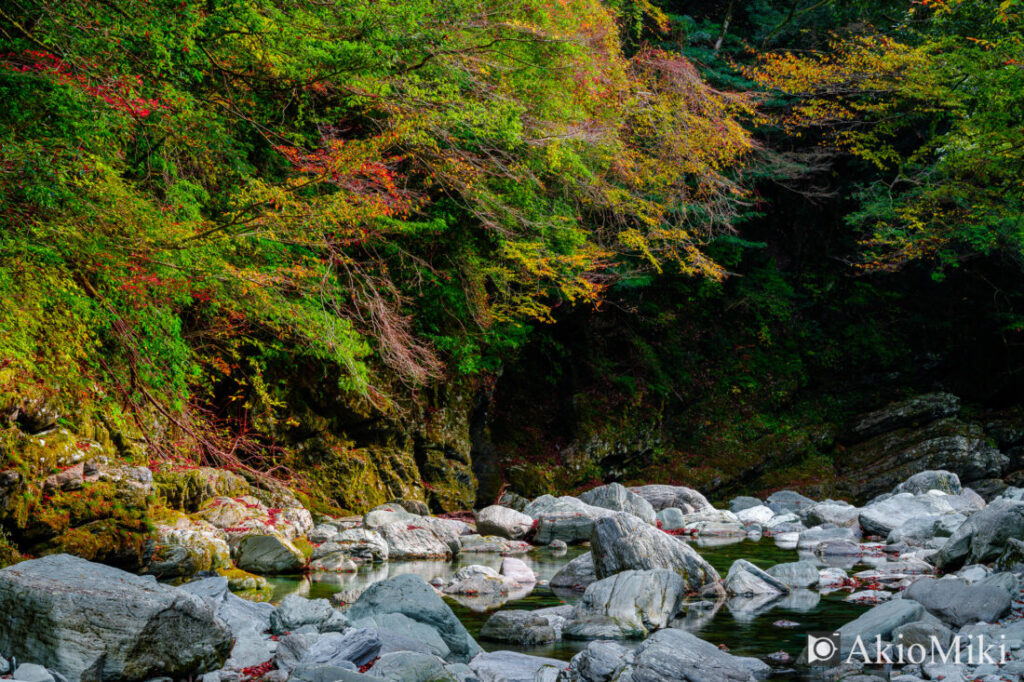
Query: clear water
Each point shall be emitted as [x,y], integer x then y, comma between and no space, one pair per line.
[745,628]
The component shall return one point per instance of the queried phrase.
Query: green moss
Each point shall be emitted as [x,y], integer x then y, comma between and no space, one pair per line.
[109,541]
[188,489]
[247,585]
[532,479]
[304,546]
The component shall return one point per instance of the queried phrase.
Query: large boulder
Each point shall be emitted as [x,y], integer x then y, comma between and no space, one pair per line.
[831,511]
[883,516]
[93,622]
[614,496]
[412,597]
[630,604]
[269,555]
[410,541]
[623,542]
[664,496]
[503,522]
[248,621]
[955,602]
[564,518]
[983,536]
[673,655]
[788,502]
[363,545]
[411,666]
[186,548]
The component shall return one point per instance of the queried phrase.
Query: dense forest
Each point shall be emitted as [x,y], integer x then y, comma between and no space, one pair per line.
[435,250]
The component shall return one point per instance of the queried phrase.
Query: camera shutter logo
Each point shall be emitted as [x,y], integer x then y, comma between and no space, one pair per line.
[823,649]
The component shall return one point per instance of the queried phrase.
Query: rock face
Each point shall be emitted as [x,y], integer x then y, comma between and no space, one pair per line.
[664,496]
[879,464]
[92,622]
[564,518]
[413,598]
[615,497]
[672,655]
[957,603]
[917,411]
[624,542]
[983,536]
[503,522]
[630,604]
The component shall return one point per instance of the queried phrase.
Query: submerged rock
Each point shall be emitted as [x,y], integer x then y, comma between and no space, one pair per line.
[524,628]
[795,574]
[90,621]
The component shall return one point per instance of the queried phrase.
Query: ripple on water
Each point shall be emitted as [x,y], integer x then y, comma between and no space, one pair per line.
[745,627]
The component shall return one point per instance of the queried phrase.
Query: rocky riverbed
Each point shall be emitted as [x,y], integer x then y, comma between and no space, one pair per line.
[647,583]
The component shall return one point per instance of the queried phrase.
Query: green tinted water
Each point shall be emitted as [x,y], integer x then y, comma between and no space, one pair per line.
[732,623]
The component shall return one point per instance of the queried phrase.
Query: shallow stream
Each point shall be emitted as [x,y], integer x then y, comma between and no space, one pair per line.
[744,626]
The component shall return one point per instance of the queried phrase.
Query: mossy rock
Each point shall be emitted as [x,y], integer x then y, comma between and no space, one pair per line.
[9,554]
[448,482]
[188,489]
[42,454]
[247,585]
[357,479]
[111,542]
[531,479]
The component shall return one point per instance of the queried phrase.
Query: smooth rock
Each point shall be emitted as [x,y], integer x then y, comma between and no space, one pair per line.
[738,504]
[511,666]
[517,571]
[412,667]
[759,515]
[878,621]
[663,496]
[479,580]
[269,555]
[615,497]
[795,574]
[983,536]
[523,628]
[672,655]
[503,522]
[31,672]
[409,541]
[955,602]
[623,542]
[576,574]
[410,596]
[564,518]
[830,511]
[363,545]
[88,620]
[629,604]
[787,501]
[599,662]
[356,646]
[747,580]
[296,611]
